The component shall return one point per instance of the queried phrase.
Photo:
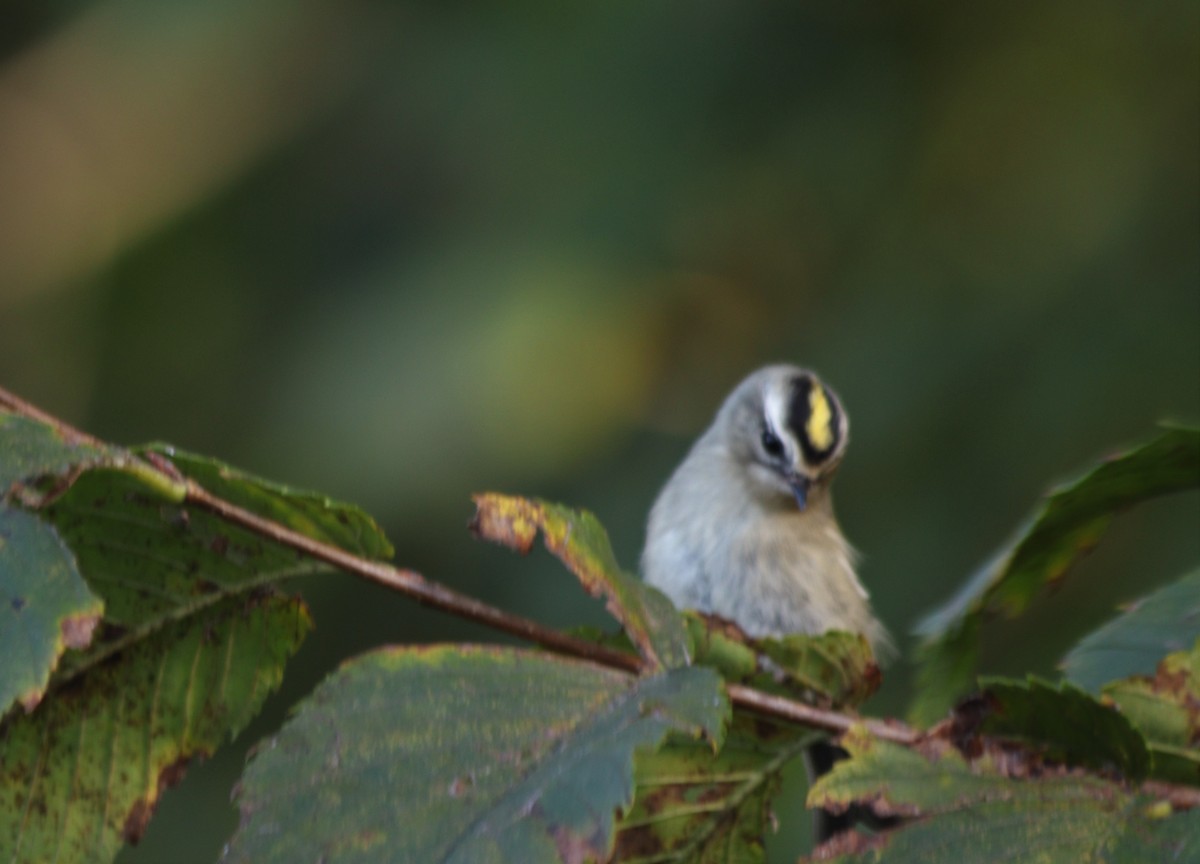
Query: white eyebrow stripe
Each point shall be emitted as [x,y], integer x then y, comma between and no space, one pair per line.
[775,407]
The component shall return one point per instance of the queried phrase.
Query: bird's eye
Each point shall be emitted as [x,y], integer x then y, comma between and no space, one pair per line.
[771,443]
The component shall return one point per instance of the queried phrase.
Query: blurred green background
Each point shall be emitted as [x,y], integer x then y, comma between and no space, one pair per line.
[399,252]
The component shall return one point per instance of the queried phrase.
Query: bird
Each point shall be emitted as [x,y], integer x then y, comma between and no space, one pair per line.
[745,529]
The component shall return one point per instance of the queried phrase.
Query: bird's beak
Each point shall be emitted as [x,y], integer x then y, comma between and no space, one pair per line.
[800,484]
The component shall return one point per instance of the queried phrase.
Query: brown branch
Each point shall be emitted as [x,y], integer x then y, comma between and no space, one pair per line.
[1181,797]
[819,718]
[18,405]
[415,585]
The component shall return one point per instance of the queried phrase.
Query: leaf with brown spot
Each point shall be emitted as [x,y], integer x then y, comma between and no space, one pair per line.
[155,561]
[971,812]
[850,843]
[836,668]
[1052,718]
[383,745]
[137,821]
[169,775]
[830,669]
[579,540]
[77,630]
[126,713]
[83,773]
[45,606]
[1165,707]
[693,807]
[1068,525]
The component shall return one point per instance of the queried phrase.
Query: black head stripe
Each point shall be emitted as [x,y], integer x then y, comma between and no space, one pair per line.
[814,419]
[800,407]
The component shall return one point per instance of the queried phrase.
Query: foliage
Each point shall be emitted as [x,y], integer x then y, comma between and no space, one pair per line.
[490,754]
[1067,526]
[970,810]
[1133,643]
[146,620]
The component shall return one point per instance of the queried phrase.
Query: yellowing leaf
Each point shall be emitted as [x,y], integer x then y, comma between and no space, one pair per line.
[579,540]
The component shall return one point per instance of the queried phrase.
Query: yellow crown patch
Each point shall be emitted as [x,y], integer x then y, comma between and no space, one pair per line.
[820,419]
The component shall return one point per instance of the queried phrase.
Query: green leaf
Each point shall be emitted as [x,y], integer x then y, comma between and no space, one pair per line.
[833,669]
[81,774]
[154,561]
[193,638]
[579,540]
[45,607]
[971,812]
[463,754]
[836,667]
[310,513]
[1066,724]
[1166,709]
[693,807]
[897,781]
[1069,524]
[941,669]
[1162,623]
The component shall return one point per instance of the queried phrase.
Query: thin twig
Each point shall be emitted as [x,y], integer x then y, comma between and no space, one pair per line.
[18,405]
[415,585]
[1181,797]
[820,718]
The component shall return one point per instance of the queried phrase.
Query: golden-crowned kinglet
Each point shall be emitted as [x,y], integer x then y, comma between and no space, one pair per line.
[745,528]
